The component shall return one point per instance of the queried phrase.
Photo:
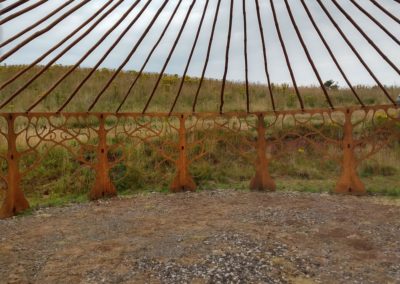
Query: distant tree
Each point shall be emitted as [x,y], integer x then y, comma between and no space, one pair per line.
[330,84]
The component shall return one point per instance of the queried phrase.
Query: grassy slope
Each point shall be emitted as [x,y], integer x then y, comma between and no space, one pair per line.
[235,99]
[55,181]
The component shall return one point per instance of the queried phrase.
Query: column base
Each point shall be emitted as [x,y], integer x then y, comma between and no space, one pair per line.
[262,182]
[102,190]
[350,185]
[12,206]
[179,185]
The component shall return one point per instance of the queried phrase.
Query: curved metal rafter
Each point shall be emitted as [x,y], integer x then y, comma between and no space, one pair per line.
[150,55]
[12,7]
[23,11]
[264,51]
[372,18]
[64,40]
[169,57]
[357,54]
[35,24]
[47,28]
[384,10]
[55,18]
[190,57]
[310,60]
[329,49]
[208,55]
[284,49]
[367,38]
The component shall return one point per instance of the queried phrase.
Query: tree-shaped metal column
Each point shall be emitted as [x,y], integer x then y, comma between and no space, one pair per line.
[103,186]
[15,201]
[262,179]
[349,181]
[183,180]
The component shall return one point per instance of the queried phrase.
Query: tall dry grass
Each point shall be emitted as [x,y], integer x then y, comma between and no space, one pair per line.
[59,178]
[208,101]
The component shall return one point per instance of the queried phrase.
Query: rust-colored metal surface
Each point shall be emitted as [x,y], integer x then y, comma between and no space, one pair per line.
[103,186]
[15,201]
[347,136]
[262,179]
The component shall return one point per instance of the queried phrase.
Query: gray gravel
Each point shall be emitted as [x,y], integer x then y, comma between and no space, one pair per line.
[207,237]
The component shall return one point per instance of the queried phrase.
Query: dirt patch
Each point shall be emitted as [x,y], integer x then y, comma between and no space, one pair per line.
[206,237]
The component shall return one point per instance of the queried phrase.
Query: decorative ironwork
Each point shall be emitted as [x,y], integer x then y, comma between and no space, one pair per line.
[346,135]
[98,140]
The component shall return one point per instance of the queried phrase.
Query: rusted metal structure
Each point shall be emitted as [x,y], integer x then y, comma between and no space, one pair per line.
[358,131]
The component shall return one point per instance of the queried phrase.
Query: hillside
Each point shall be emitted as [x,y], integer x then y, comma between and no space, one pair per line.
[209,98]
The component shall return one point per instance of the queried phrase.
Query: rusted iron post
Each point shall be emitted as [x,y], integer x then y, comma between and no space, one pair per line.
[262,180]
[183,181]
[349,182]
[103,186]
[15,201]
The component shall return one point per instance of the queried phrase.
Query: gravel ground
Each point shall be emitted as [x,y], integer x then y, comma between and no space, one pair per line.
[207,237]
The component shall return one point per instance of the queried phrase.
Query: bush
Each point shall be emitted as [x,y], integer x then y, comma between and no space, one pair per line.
[376,169]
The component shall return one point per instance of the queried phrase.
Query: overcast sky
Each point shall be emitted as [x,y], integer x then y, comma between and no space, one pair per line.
[277,65]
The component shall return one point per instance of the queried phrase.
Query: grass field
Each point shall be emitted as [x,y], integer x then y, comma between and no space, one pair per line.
[60,179]
[209,97]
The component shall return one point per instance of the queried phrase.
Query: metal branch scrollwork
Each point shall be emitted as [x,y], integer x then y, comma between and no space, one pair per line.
[110,144]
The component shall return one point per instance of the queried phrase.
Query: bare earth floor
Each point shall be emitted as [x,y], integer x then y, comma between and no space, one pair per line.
[207,237]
